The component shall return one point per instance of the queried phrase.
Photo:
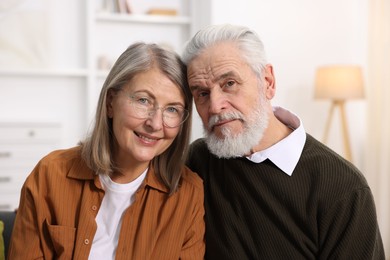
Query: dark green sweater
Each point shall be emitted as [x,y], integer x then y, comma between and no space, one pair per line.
[325,210]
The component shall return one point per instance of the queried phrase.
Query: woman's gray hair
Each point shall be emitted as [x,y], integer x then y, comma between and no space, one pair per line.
[247,41]
[97,148]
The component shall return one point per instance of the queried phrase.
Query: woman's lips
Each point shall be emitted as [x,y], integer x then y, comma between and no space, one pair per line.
[147,139]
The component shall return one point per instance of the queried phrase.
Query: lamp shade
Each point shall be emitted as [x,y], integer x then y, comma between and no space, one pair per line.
[339,82]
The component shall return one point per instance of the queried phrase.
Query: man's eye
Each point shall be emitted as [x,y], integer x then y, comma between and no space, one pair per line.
[230,83]
[203,94]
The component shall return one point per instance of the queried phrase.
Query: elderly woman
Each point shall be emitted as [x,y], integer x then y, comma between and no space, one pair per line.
[124,192]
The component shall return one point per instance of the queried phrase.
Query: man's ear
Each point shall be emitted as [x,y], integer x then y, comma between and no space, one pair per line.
[269,80]
[109,102]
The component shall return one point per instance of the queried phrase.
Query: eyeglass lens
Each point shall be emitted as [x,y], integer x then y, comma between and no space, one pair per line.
[143,107]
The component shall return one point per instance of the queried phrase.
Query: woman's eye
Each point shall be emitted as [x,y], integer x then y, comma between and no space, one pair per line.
[172,110]
[143,101]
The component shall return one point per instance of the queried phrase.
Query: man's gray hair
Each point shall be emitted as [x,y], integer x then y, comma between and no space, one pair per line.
[248,42]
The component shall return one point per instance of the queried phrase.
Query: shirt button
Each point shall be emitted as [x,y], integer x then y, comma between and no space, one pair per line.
[94,208]
[86,241]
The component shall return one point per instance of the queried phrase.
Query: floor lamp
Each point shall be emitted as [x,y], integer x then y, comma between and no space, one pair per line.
[339,84]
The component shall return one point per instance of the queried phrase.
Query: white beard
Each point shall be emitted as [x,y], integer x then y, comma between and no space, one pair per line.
[239,144]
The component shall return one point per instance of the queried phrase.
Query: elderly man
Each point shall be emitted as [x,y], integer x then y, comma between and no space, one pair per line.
[271,190]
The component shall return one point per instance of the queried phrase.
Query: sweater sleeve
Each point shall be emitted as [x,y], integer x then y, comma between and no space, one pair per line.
[349,229]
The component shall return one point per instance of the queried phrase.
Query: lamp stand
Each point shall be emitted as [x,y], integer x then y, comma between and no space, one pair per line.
[341,105]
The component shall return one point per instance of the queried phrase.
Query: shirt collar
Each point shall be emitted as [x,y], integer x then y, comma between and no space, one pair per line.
[284,154]
[154,181]
[79,170]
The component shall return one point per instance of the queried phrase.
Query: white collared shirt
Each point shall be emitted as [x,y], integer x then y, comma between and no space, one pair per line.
[284,154]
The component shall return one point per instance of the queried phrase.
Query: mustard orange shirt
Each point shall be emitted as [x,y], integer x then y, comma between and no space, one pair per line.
[60,200]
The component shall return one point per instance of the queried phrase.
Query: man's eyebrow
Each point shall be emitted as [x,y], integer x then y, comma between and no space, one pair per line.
[194,88]
[220,77]
[225,75]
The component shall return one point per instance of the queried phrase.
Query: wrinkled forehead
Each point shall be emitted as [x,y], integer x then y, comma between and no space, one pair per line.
[214,61]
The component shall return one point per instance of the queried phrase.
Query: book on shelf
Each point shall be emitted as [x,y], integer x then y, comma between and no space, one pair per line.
[162,11]
[117,6]
[124,6]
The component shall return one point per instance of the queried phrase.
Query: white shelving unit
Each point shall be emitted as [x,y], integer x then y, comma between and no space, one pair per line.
[110,33]
[143,19]
[64,90]
[79,34]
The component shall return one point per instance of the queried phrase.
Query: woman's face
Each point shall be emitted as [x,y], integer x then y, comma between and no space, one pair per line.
[139,137]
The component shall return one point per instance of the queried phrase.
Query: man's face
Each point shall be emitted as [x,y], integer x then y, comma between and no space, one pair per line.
[230,99]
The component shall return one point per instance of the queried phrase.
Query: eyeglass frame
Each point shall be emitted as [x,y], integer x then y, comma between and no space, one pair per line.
[149,112]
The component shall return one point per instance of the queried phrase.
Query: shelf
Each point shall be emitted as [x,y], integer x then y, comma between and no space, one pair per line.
[143,18]
[44,72]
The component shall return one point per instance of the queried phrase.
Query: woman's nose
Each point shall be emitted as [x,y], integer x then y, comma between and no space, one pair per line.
[155,119]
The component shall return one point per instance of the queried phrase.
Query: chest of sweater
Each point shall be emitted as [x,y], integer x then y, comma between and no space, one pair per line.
[258,201]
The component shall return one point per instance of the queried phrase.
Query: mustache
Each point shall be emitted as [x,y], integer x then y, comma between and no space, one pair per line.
[233,115]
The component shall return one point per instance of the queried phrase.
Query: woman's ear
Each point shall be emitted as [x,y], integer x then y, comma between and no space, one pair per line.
[269,80]
[109,103]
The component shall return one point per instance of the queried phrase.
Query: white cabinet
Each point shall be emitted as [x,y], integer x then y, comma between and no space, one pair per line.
[22,145]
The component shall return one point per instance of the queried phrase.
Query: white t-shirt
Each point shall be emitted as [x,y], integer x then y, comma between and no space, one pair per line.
[117,198]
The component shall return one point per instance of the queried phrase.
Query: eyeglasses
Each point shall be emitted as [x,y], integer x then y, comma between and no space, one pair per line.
[143,107]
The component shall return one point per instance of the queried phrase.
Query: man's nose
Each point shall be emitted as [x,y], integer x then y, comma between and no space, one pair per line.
[218,102]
